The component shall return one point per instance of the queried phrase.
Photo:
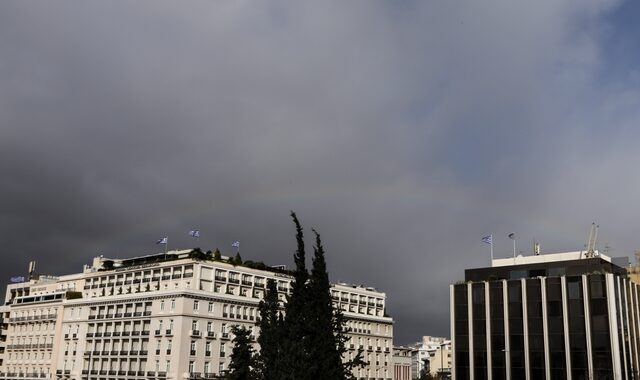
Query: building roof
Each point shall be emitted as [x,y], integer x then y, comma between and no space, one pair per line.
[547,265]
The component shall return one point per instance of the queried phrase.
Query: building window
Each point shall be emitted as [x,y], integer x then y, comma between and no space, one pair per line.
[162,305]
[194,324]
[173,304]
[192,366]
[210,307]
[196,305]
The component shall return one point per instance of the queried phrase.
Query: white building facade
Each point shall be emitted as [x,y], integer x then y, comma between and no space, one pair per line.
[160,317]
[432,354]
[402,363]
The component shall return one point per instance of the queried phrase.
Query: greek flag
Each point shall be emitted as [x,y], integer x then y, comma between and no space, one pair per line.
[194,233]
[487,239]
[236,244]
[164,240]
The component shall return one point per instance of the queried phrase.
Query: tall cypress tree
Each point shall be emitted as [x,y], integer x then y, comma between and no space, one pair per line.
[268,361]
[326,325]
[295,346]
[241,364]
[309,342]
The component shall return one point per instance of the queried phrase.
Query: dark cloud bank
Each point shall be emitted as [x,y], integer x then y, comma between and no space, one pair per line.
[402,131]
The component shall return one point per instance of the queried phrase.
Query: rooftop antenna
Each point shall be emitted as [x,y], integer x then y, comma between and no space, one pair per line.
[32,269]
[593,239]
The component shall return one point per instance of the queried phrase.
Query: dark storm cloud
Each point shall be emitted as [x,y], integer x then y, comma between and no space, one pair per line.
[403,132]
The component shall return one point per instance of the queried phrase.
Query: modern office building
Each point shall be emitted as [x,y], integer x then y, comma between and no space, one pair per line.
[163,316]
[568,316]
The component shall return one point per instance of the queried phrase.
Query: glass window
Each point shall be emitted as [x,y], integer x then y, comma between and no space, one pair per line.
[517,274]
[574,289]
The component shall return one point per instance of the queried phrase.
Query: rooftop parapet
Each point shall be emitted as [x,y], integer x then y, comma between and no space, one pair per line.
[547,258]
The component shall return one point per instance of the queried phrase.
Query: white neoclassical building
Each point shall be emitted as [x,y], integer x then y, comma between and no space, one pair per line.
[163,316]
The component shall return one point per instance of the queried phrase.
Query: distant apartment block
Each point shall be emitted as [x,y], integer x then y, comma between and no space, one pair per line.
[571,315]
[431,355]
[163,316]
[402,363]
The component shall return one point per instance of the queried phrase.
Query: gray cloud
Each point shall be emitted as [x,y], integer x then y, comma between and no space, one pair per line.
[403,132]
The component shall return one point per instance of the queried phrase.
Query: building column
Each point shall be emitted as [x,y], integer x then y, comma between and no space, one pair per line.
[545,327]
[452,327]
[613,327]
[619,300]
[631,328]
[507,351]
[586,297]
[525,330]
[470,316]
[634,323]
[565,320]
[487,304]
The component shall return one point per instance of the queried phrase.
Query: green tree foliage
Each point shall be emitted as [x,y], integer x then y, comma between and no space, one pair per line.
[295,353]
[237,259]
[326,325]
[315,343]
[241,364]
[217,256]
[268,361]
[197,254]
[308,341]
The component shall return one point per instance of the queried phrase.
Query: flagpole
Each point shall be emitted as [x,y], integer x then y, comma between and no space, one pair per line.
[491,250]
[489,240]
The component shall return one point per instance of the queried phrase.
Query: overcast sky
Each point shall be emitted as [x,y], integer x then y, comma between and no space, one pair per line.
[403,131]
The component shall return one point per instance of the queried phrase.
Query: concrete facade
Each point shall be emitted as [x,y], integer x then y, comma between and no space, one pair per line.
[164,316]
[402,363]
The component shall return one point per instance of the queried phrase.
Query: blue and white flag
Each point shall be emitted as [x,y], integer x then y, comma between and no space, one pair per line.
[164,240]
[236,244]
[194,233]
[487,239]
